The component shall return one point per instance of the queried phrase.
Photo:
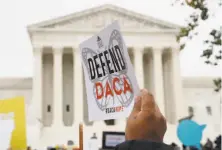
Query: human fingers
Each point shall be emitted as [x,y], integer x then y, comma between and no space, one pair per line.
[137,104]
[148,102]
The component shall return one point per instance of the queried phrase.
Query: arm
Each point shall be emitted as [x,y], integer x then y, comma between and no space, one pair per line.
[142,145]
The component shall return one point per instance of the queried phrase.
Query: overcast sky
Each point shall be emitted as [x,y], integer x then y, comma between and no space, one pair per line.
[16,51]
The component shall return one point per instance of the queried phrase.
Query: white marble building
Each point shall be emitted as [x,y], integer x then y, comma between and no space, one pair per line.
[55,96]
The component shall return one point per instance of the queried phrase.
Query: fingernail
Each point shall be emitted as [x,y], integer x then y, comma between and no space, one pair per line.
[143,91]
[138,98]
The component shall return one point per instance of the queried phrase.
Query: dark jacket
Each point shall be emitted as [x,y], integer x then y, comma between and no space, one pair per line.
[142,145]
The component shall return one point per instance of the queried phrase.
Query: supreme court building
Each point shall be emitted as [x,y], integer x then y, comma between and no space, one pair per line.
[56,93]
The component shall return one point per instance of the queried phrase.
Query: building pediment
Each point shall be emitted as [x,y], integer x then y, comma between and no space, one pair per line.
[103,15]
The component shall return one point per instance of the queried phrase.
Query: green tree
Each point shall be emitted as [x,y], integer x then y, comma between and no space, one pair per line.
[201,13]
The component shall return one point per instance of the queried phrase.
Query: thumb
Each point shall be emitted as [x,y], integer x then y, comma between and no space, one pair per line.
[137,104]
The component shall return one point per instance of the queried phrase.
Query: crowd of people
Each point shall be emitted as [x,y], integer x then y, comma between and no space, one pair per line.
[146,127]
[209,145]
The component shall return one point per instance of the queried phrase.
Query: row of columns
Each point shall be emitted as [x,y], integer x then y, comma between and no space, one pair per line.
[78,84]
[58,82]
[158,74]
[157,55]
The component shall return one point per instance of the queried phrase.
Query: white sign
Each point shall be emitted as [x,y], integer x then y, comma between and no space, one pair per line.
[109,76]
[6,128]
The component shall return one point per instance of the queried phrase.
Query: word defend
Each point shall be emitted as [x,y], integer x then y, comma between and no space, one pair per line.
[110,56]
[111,85]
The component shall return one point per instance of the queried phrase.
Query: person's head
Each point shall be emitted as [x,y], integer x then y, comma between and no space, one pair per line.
[184,146]
[193,148]
[94,134]
[28,148]
[173,145]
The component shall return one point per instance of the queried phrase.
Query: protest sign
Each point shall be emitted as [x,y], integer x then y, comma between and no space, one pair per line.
[109,76]
[12,123]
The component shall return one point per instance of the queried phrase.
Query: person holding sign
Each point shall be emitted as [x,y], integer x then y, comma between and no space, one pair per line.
[112,88]
[109,75]
[145,126]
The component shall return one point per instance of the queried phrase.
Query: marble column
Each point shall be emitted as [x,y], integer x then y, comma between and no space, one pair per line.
[177,85]
[158,79]
[78,86]
[57,88]
[37,84]
[138,60]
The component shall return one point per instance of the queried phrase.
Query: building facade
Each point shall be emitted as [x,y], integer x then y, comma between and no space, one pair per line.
[56,97]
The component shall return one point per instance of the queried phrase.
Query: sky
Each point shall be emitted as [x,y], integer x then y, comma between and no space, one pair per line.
[16,59]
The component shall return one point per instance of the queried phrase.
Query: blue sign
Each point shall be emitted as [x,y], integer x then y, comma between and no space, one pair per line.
[190,133]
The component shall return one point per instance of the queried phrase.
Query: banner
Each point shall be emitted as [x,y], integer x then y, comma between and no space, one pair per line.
[13,123]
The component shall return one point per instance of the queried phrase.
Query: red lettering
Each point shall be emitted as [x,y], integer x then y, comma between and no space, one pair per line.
[120,108]
[118,92]
[117,109]
[108,90]
[126,86]
[99,95]
[100,91]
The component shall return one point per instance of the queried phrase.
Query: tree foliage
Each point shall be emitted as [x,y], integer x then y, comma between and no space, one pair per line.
[212,51]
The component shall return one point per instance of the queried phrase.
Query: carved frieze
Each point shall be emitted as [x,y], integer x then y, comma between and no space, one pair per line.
[102,18]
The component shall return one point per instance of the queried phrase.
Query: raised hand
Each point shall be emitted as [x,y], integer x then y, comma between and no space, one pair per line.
[145,121]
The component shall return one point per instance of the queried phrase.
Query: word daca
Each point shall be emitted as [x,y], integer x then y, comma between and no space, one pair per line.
[115,54]
[111,88]
[114,109]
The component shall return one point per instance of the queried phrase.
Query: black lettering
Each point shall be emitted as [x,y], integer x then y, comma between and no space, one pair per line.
[108,62]
[113,110]
[123,65]
[114,59]
[91,68]
[97,66]
[102,63]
